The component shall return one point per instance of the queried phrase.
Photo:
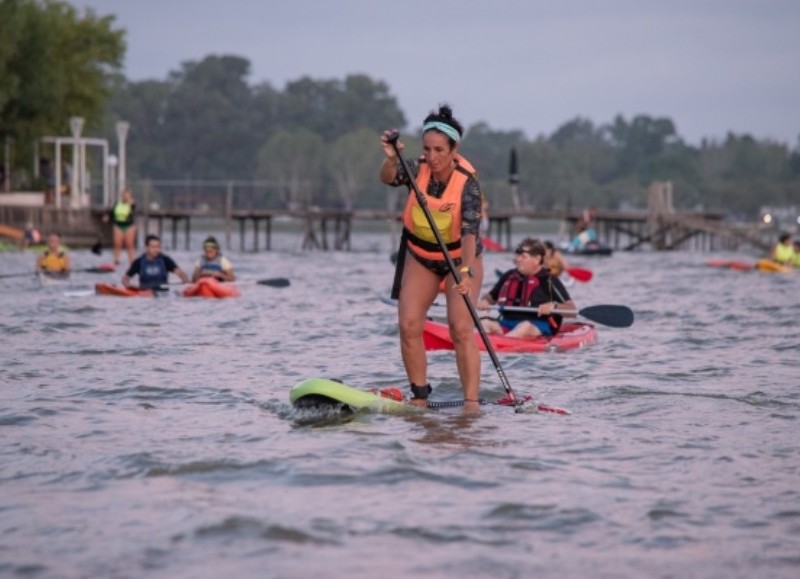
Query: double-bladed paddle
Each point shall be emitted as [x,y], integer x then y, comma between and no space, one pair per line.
[271,282]
[607,315]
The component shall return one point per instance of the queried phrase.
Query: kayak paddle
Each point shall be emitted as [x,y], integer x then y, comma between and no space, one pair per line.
[271,282]
[100,269]
[580,274]
[274,282]
[607,315]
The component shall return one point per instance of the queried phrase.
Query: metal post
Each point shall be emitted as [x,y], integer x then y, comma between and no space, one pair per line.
[112,180]
[58,175]
[7,171]
[122,136]
[76,126]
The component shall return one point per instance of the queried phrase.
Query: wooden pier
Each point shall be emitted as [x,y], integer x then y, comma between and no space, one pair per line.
[659,227]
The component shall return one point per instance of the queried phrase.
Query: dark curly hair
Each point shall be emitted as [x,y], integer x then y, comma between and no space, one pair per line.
[445,115]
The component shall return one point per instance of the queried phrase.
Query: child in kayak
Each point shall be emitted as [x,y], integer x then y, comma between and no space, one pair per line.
[530,285]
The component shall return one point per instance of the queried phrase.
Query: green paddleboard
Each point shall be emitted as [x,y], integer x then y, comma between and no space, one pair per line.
[321,392]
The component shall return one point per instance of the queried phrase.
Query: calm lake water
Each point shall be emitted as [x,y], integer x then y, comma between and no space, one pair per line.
[153,437]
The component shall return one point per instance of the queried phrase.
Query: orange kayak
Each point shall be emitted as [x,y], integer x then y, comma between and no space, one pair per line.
[110,289]
[572,335]
[208,287]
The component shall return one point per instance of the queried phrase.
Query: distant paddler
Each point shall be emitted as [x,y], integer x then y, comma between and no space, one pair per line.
[124,226]
[212,263]
[53,260]
[153,267]
[783,252]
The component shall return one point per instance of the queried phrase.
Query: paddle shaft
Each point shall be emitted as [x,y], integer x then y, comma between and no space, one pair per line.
[423,203]
[272,282]
[28,273]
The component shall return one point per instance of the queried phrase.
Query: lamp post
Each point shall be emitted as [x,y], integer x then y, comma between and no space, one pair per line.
[122,135]
[76,126]
[112,178]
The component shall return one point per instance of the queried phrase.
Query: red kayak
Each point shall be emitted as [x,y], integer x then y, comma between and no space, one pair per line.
[209,287]
[735,265]
[110,289]
[491,245]
[572,335]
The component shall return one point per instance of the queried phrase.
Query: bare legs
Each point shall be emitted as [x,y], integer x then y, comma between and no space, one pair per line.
[125,239]
[420,288]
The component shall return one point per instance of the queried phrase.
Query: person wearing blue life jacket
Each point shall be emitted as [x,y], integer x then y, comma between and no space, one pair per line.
[586,236]
[212,263]
[529,285]
[153,267]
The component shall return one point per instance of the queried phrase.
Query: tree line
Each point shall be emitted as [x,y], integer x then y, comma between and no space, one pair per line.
[316,140]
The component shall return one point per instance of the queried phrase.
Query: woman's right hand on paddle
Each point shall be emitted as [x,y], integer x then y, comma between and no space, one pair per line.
[388,149]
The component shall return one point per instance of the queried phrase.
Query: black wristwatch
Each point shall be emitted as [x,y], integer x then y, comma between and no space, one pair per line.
[467,270]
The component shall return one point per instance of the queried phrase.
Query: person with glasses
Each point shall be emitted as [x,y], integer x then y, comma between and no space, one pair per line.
[529,285]
[453,197]
[153,267]
[212,263]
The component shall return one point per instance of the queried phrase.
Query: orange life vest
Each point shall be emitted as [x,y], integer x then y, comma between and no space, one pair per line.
[446,213]
[53,262]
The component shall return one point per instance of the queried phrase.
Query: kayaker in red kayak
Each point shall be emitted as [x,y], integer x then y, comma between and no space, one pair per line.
[453,197]
[554,259]
[529,284]
[153,267]
[212,263]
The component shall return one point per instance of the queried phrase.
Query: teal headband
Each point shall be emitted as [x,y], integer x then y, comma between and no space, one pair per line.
[444,128]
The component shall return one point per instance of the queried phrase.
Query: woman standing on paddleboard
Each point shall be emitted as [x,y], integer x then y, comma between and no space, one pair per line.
[453,198]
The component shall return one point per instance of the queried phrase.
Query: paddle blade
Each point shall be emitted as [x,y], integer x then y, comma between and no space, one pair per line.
[613,316]
[274,282]
[580,274]
[105,268]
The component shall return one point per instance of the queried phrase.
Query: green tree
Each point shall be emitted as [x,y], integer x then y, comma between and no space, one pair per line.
[54,64]
[332,108]
[295,162]
[353,162]
[208,118]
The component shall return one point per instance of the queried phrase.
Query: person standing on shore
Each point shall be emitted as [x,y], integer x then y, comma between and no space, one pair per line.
[123,222]
[453,196]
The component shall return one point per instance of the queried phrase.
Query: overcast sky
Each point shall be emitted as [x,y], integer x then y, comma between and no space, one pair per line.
[712,66]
